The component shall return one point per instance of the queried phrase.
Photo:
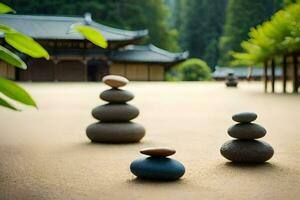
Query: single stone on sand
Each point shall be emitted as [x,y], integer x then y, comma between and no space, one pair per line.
[247,131]
[126,132]
[244,117]
[157,166]
[248,151]
[115,112]
[158,151]
[116,96]
[115,81]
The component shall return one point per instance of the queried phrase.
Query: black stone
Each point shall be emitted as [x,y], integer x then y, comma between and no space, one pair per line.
[116,96]
[115,112]
[126,132]
[247,151]
[244,117]
[247,131]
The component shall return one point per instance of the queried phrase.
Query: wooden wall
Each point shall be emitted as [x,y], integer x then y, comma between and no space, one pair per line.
[7,71]
[139,72]
[46,70]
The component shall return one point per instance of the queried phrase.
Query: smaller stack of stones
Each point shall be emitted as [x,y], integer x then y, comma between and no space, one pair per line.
[246,149]
[115,116]
[231,80]
[157,166]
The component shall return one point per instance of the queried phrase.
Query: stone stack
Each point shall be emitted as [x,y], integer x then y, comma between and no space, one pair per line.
[157,166]
[231,80]
[114,124]
[246,149]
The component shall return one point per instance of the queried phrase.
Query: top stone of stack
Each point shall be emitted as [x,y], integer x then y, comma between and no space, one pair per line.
[244,117]
[158,151]
[115,81]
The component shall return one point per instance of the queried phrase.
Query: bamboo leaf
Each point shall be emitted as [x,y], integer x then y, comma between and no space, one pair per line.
[26,45]
[7,105]
[15,92]
[5,9]
[11,58]
[91,34]
[6,29]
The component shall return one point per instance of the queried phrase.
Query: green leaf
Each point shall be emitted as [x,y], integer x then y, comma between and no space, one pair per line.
[5,9]
[91,34]
[26,45]
[15,92]
[7,105]
[6,29]
[11,58]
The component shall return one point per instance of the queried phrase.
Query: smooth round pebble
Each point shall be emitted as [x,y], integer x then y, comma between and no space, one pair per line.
[247,131]
[158,151]
[116,96]
[155,168]
[244,117]
[115,132]
[115,81]
[247,151]
[115,112]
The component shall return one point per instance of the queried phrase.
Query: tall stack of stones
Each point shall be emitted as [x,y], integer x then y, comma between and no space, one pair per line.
[231,80]
[114,124]
[246,149]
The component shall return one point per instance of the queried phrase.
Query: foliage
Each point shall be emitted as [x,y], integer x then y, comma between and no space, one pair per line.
[91,34]
[190,70]
[23,44]
[277,36]
[240,17]
[126,14]
[15,92]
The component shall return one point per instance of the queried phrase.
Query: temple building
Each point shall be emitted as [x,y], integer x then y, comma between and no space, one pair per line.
[73,58]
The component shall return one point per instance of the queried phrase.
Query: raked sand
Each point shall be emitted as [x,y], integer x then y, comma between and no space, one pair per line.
[45,153]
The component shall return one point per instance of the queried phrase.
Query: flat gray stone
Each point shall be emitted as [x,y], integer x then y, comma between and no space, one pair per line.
[115,112]
[115,81]
[247,151]
[244,117]
[116,96]
[127,132]
[247,131]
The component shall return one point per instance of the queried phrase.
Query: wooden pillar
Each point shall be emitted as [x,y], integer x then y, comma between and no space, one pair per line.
[273,74]
[284,73]
[266,75]
[295,73]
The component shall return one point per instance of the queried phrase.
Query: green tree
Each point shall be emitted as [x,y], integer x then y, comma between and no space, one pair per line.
[241,15]
[202,27]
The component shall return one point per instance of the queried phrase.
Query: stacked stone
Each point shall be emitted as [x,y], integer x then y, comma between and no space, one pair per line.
[157,166]
[246,149]
[114,125]
[231,80]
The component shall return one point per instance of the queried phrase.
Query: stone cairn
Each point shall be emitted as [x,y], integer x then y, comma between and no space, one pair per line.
[246,149]
[115,116]
[231,80]
[157,166]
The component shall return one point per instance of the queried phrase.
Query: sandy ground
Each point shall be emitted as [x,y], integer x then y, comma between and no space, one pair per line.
[46,155]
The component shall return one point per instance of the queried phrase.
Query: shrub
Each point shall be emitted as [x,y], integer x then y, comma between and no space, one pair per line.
[193,69]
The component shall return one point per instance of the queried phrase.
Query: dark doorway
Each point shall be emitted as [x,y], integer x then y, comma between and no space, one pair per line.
[97,69]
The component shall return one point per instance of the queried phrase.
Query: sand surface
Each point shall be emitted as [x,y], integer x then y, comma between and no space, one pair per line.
[46,155]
